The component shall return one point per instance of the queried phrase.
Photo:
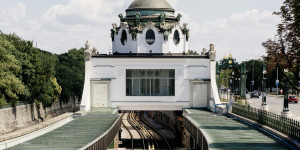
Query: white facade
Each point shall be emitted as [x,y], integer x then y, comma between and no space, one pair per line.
[150,39]
[193,86]
[139,44]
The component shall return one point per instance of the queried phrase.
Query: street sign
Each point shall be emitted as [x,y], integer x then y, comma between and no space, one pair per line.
[277,82]
[252,82]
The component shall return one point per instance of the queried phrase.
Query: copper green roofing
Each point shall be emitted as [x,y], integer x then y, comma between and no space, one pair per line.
[150,4]
[223,133]
[73,135]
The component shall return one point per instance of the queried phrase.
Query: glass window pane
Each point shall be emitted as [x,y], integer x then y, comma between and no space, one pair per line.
[172,87]
[145,87]
[143,73]
[150,82]
[135,73]
[156,73]
[150,73]
[135,88]
[164,87]
[155,88]
[172,73]
[128,87]
[128,73]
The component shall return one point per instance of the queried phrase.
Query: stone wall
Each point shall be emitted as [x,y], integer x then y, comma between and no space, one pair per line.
[15,118]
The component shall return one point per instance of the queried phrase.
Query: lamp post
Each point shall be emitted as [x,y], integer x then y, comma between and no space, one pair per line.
[286,112]
[277,83]
[233,83]
[252,82]
[264,105]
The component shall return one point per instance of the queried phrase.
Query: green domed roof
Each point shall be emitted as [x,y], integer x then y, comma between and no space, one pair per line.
[162,5]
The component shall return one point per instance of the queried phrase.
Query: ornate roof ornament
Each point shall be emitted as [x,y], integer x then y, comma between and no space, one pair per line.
[94,51]
[87,46]
[87,53]
[178,17]
[121,17]
[150,25]
[138,18]
[212,52]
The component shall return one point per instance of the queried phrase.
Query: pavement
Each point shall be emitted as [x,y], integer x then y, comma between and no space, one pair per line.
[75,134]
[30,129]
[226,133]
[275,105]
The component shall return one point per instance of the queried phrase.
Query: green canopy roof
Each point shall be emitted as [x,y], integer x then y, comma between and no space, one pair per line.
[150,5]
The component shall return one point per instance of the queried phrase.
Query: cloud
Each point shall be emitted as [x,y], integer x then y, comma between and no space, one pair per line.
[240,34]
[12,14]
[90,12]
[173,3]
[65,26]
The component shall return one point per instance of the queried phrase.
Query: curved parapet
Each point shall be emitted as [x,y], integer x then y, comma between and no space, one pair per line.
[105,140]
[86,97]
[215,99]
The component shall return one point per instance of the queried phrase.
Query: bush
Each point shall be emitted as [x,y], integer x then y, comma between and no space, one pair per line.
[2,102]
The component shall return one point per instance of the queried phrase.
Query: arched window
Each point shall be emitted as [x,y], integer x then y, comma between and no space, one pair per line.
[150,37]
[176,37]
[124,37]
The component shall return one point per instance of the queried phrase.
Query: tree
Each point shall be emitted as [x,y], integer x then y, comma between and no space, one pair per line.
[225,76]
[45,89]
[284,51]
[11,87]
[70,73]
[35,70]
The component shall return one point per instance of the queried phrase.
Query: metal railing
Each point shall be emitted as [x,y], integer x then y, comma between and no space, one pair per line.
[196,134]
[105,140]
[285,125]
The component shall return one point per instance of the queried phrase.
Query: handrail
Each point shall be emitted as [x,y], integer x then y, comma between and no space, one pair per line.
[108,133]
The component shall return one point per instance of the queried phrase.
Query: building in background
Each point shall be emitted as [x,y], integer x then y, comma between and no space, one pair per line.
[150,66]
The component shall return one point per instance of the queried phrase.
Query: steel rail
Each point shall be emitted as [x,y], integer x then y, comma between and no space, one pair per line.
[154,141]
[159,133]
[135,126]
[130,134]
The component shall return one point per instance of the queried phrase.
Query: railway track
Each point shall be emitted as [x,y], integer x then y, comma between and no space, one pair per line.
[124,117]
[148,135]
[158,132]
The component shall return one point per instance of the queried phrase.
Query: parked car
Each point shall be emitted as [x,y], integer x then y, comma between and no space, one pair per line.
[293,98]
[254,94]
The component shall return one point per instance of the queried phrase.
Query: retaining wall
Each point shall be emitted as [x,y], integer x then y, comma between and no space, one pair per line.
[14,118]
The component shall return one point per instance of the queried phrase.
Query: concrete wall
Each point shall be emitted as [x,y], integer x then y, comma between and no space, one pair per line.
[186,69]
[12,119]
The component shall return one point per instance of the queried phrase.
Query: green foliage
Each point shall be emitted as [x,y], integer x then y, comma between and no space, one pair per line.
[28,74]
[2,101]
[11,87]
[70,73]
[284,51]
[191,52]
[257,67]
[225,76]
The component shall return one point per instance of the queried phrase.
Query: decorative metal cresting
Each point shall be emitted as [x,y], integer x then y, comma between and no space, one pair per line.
[239,76]
[285,125]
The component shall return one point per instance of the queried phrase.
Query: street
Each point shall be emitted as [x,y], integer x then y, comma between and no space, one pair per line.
[275,104]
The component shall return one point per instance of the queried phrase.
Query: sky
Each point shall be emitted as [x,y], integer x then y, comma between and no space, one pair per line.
[234,26]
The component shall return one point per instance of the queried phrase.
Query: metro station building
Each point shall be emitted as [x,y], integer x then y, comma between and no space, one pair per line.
[150,67]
